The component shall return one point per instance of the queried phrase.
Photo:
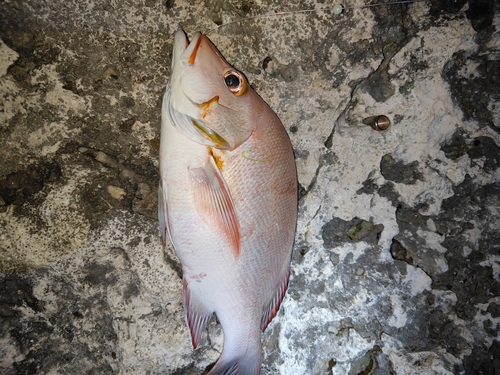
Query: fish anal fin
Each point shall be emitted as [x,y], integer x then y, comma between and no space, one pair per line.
[197,317]
[214,202]
[274,305]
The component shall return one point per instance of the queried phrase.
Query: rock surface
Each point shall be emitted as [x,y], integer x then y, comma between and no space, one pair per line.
[396,267]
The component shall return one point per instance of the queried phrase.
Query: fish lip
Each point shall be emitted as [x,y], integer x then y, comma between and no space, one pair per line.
[189,54]
[180,45]
[180,40]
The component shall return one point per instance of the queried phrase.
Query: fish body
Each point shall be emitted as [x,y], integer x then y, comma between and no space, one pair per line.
[227,200]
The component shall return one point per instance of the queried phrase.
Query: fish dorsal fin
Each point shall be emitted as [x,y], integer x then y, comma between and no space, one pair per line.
[214,203]
[196,316]
[274,305]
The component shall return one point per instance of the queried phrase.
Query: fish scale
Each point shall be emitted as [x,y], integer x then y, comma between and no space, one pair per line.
[227,200]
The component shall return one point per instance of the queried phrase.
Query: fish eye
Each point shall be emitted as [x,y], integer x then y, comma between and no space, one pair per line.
[232,81]
[235,82]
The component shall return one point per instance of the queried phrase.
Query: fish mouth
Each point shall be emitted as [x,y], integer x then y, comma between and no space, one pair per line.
[184,49]
[193,50]
[180,40]
[180,45]
[187,113]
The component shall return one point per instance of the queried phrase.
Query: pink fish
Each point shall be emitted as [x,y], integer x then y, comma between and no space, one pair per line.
[227,199]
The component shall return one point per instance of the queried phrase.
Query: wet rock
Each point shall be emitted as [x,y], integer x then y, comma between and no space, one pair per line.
[399,172]
[494,309]
[481,13]
[399,252]
[484,360]
[475,104]
[446,6]
[17,187]
[457,146]
[486,149]
[473,282]
[364,230]
[338,231]
[395,267]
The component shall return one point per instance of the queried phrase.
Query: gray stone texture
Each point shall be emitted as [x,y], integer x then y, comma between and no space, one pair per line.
[396,266]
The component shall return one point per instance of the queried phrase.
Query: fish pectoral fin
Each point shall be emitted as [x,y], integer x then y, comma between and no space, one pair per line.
[214,203]
[197,316]
[274,305]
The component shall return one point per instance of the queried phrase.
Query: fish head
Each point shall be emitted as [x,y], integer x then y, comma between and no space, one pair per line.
[209,101]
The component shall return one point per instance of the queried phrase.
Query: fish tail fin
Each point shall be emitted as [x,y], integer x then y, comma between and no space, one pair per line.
[240,359]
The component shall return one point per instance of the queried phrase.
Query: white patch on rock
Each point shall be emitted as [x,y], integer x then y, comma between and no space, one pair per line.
[331,340]
[399,317]
[416,280]
[417,363]
[7,58]
[116,192]
[28,245]
[493,261]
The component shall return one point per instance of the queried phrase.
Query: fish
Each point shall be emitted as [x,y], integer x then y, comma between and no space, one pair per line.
[227,199]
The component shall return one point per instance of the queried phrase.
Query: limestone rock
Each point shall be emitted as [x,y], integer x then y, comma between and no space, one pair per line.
[396,267]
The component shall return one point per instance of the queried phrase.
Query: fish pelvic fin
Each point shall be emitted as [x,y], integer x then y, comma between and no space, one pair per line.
[162,214]
[197,317]
[274,305]
[214,203]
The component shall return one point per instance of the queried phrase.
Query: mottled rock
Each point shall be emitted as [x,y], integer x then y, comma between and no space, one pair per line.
[396,264]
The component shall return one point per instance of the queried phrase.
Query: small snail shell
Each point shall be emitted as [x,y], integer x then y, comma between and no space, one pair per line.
[379,123]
